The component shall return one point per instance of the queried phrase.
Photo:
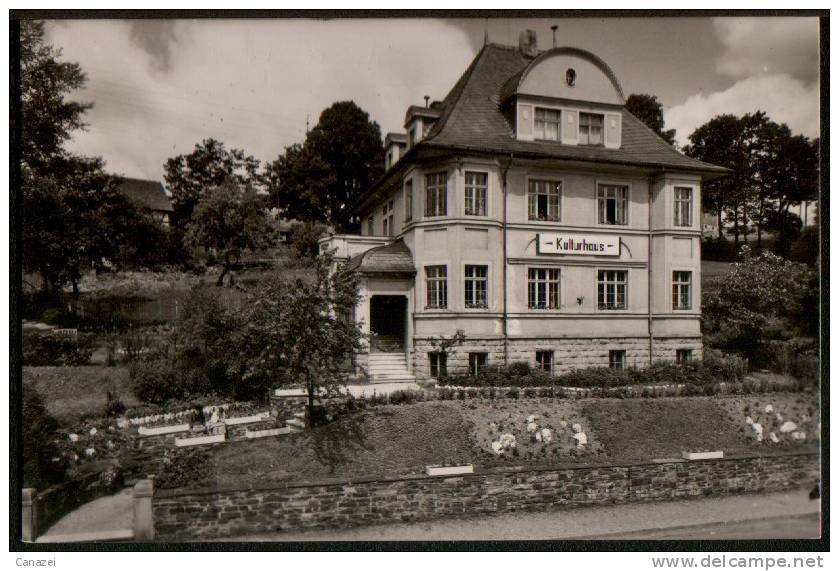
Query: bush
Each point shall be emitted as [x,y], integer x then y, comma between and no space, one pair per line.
[185,468]
[154,380]
[113,406]
[42,459]
[806,248]
[304,238]
[47,349]
[406,397]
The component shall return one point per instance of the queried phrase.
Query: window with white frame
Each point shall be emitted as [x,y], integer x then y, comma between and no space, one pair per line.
[591,129]
[475,287]
[437,365]
[477,361]
[543,200]
[435,194]
[546,124]
[409,200]
[681,290]
[611,289]
[387,218]
[475,194]
[370,227]
[545,361]
[682,206]
[684,355]
[543,288]
[612,202]
[436,287]
[617,359]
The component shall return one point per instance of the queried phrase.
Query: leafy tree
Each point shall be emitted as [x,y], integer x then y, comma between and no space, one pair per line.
[760,298]
[301,332]
[795,178]
[304,238]
[42,461]
[230,221]
[322,179]
[209,165]
[649,110]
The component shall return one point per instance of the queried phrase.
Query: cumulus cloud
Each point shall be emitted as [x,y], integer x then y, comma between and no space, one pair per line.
[249,83]
[784,98]
[769,46]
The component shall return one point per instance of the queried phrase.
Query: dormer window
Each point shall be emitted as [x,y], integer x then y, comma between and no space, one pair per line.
[546,124]
[412,137]
[591,129]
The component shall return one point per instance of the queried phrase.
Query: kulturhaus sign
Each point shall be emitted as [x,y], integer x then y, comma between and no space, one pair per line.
[578,244]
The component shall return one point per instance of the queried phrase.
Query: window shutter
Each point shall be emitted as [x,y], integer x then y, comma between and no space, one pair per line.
[613,130]
[525,122]
[570,127]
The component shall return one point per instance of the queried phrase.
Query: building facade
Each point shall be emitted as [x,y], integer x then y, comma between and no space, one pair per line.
[531,211]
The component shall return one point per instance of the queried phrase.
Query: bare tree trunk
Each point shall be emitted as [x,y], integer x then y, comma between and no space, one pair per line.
[719,223]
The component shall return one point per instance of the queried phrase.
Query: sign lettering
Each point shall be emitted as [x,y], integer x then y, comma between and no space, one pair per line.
[578,244]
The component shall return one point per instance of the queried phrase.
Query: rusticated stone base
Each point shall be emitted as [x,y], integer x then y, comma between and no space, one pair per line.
[569,354]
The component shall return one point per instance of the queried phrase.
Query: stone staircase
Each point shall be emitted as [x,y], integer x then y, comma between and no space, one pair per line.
[389,368]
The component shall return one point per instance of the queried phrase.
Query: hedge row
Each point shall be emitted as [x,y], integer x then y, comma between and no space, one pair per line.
[713,369]
[48,349]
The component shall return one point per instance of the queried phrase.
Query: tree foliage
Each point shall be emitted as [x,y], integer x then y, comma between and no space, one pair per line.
[322,179]
[189,177]
[302,332]
[231,221]
[650,111]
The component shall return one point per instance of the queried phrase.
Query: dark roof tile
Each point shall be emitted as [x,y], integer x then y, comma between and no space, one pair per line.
[148,193]
[394,258]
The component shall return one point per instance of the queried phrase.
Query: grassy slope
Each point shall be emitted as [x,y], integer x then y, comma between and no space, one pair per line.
[401,440]
[73,392]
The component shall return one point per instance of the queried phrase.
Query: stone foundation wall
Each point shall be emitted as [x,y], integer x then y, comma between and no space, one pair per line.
[569,354]
[204,514]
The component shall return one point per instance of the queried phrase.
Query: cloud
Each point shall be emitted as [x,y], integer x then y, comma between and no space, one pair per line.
[159,89]
[769,46]
[784,98]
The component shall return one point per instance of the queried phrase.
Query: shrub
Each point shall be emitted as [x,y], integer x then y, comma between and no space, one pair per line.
[42,459]
[185,468]
[406,396]
[113,405]
[154,380]
[47,349]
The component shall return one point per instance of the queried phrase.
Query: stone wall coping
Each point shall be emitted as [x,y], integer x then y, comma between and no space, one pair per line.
[178,492]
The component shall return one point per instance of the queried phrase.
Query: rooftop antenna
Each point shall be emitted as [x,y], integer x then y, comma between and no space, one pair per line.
[486,31]
[553,29]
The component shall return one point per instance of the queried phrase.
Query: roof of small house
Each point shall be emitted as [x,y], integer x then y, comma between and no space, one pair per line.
[472,119]
[394,258]
[148,193]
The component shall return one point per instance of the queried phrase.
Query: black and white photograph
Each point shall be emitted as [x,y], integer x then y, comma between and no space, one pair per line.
[356,279]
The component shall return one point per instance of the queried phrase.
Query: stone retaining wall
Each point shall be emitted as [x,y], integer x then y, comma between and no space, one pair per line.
[202,514]
[569,354]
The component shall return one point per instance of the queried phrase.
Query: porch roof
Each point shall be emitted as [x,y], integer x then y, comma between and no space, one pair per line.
[393,258]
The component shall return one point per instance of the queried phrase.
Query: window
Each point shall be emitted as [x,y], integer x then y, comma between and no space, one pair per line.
[437,364]
[681,290]
[617,359]
[545,361]
[611,289]
[611,204]
[435,194]
[412,137]
[542,288]
[387,219]
[370,229]
[546,124]
[477,361]
[475,287]
[682,206]
[543,200]
[409,200]
[591,129]
[436,288]
[476,194]
[684,355]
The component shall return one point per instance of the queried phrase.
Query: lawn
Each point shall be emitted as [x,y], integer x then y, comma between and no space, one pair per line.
[71,393]
[398,440]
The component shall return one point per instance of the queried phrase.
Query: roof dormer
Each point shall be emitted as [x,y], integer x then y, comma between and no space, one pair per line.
[395,146]
[419,120]
[567,95]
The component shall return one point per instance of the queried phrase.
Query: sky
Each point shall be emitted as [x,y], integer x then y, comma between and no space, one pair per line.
[161,86]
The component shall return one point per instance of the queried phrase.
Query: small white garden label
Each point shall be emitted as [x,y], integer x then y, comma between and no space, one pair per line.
[578,244]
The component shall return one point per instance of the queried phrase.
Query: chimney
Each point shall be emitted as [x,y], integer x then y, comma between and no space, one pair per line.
[528,44]
[427,97]
[553,30]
